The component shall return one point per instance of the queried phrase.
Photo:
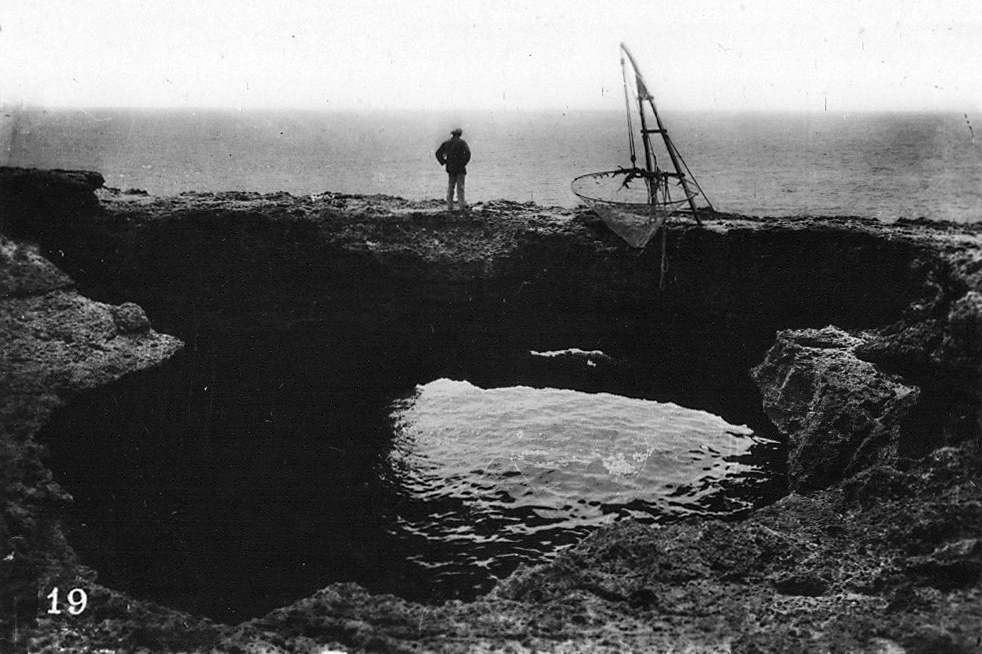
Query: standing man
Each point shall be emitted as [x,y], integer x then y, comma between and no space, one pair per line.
[455,154]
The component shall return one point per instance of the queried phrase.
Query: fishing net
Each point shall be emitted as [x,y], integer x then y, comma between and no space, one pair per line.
[633,203]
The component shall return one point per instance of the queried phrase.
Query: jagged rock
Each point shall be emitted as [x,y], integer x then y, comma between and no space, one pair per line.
[840,413]
[883,560]
[62,342]
[961,347]
[53,342]
[23,271]
[29,195]
[130,318]
[876,484]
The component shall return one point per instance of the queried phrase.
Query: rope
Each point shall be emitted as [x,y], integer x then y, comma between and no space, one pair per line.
[627,105]
[664,258]
[691,177]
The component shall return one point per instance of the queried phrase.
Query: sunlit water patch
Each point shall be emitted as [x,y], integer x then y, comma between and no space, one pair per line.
[491,477]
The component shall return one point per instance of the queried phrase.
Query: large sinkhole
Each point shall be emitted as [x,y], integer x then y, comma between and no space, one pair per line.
[250,471]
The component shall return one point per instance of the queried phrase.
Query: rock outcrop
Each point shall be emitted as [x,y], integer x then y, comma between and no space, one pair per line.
[876,550]
[53,343]
[58,194]
[841,414]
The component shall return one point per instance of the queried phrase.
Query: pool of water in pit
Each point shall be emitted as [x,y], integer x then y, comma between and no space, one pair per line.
[493,477]
[230,495]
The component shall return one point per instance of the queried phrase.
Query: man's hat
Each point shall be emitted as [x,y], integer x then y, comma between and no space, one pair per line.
[457,131]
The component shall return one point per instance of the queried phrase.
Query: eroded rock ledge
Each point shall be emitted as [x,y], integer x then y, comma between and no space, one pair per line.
[53,342]
[878,550]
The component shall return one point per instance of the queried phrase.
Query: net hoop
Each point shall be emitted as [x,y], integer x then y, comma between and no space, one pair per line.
[671,206]
[635,222]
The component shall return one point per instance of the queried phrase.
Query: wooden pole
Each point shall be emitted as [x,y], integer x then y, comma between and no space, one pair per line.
[648,163]
[661,130]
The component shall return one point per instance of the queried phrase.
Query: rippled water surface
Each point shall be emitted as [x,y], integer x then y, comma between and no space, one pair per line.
[236,478]
[501,475]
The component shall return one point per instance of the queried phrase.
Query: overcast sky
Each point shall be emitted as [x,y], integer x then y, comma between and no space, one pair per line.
[460,54]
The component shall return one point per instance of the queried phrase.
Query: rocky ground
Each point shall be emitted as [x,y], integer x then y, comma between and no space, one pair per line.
[859,341]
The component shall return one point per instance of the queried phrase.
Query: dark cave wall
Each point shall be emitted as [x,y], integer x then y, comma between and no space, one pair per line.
[381,303]
[376,294]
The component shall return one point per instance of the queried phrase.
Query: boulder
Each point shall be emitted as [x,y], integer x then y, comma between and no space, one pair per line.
[839,413]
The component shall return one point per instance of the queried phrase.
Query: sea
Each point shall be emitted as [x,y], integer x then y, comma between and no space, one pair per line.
[877,165]
[471,482]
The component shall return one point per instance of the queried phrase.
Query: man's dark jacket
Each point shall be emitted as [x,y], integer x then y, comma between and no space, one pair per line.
[455,154]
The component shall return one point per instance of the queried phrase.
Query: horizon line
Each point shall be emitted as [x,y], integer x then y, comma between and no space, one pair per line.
[25,106]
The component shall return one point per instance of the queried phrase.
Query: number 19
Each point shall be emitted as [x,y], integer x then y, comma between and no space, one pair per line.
[77,601]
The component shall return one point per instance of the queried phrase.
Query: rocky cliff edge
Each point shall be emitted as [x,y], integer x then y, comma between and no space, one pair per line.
[878,548]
